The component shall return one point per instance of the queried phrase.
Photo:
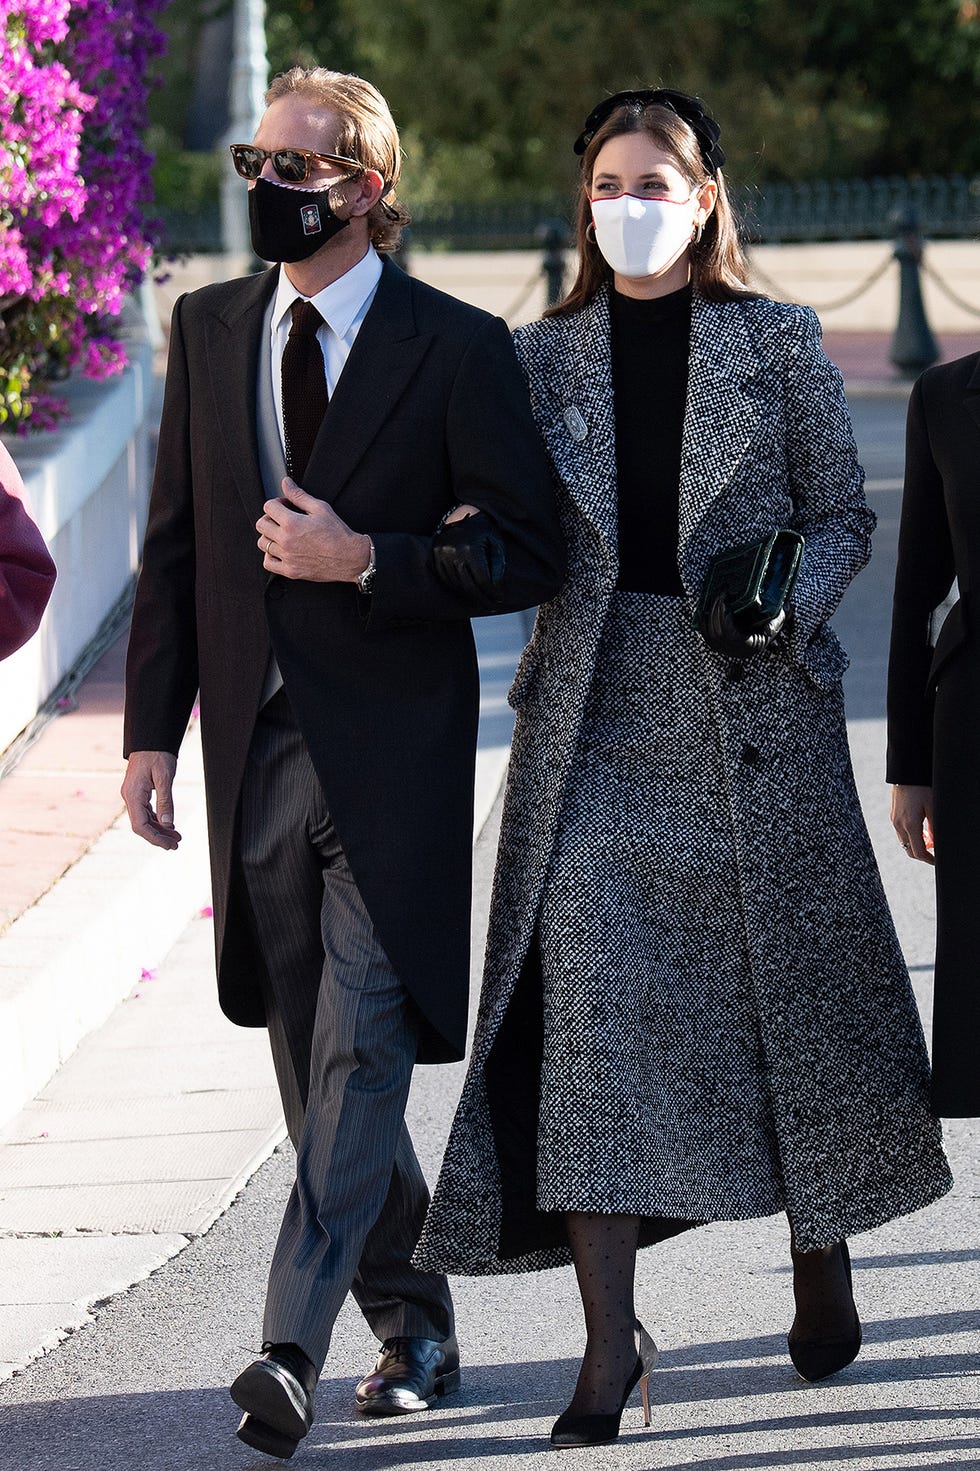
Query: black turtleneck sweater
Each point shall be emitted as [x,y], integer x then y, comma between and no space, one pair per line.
[650,345]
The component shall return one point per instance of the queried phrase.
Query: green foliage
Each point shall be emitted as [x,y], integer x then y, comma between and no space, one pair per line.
[488,94]
[185,181]
[309,33]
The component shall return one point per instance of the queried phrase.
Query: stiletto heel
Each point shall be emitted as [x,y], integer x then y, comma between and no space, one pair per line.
[645,1399]
[573,1430]
[818,1358]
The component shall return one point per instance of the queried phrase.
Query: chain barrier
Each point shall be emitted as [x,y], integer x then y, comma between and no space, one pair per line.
[948,291]
[831,306]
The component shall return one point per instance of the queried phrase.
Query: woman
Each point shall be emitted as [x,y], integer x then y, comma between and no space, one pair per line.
[695,1007]
[934,704]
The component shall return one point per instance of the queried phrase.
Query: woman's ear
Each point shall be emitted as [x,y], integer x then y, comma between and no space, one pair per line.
[707,197]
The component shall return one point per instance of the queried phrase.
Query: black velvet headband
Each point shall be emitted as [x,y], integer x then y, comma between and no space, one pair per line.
[701,123]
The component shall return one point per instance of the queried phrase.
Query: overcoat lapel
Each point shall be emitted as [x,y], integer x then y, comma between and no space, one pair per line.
[972,396]
[725,401]
[233,340]
[386,355]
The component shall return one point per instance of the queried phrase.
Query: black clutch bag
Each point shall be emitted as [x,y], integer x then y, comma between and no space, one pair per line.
[756,579]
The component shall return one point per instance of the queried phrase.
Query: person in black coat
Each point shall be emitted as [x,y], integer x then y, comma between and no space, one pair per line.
[934,703]
[321,421]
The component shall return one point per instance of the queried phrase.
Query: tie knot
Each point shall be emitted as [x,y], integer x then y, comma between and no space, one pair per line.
[305,319]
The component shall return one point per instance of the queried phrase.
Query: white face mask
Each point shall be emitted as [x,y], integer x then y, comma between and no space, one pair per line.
[638,237]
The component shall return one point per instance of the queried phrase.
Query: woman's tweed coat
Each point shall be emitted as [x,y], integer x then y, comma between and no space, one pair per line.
[767,442]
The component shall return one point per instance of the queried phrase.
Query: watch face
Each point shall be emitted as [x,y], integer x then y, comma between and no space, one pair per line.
[366,580]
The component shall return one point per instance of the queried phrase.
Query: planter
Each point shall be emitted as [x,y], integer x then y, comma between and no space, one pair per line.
[88,487]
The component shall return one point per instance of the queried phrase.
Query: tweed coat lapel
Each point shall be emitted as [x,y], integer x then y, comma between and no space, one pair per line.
[232,341]
[726,398]
[972,396]
[584,438]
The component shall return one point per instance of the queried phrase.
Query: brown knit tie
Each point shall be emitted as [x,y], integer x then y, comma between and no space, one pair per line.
[304,388]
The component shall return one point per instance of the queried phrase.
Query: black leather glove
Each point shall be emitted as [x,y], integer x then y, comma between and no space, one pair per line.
[469,557]
[723,633]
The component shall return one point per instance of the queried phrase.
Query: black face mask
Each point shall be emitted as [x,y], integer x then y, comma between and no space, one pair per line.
[289,224]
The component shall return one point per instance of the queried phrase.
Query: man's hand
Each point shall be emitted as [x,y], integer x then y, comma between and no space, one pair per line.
[148,772]
[911,816]
[304,538]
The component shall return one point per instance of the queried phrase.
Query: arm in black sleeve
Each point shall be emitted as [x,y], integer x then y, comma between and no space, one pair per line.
[498,464]
[923,579]
[161,664]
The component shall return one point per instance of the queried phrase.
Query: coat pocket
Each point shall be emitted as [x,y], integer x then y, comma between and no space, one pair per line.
[824,660]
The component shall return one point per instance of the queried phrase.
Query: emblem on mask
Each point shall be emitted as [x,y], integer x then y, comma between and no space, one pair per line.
[310,215]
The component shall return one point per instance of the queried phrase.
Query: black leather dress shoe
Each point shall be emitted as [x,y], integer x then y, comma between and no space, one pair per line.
[276,1392]
[409,1375]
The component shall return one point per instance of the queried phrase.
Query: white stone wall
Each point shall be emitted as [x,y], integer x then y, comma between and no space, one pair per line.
[87,487]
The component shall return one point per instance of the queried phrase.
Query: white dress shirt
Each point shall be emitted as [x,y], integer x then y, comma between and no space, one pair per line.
[343,305]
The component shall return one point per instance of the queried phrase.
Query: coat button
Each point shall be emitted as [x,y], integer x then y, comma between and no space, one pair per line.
[751,755]
[735,671]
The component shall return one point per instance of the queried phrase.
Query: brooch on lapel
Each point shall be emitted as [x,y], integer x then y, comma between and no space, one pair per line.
[575,424]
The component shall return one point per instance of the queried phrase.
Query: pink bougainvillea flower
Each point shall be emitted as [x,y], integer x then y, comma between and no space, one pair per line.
[75,239]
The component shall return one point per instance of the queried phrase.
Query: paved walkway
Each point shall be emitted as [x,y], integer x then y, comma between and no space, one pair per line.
[134,1111]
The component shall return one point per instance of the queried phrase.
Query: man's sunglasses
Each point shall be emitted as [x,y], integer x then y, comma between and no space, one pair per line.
[291,164]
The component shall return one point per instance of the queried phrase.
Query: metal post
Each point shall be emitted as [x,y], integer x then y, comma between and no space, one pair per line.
[913,345]
[554,235]
[247,82]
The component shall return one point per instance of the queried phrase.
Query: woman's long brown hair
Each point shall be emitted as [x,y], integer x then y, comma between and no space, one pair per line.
[718,269]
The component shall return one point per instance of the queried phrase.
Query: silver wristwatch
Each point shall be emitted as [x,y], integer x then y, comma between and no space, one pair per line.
[365,579]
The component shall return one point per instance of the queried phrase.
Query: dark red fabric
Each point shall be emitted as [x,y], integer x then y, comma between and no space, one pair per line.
[27,573]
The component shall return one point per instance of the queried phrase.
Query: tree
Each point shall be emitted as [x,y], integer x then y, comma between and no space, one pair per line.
[489,94]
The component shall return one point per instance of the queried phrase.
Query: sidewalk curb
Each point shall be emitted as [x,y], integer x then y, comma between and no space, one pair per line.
[878,388]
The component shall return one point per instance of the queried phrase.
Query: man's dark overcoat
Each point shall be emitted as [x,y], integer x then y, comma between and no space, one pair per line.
[934,696]
[431,409]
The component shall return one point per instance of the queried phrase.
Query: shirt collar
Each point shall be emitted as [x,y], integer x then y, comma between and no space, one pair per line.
[341,302]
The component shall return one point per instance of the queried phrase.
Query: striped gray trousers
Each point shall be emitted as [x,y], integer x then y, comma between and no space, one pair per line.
[344,1036]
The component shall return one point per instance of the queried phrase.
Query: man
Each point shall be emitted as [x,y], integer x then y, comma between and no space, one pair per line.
[327,628]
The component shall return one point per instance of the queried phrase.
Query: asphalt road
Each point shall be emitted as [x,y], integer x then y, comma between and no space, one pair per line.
[144,1386]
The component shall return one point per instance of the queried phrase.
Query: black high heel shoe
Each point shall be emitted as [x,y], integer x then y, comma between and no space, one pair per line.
[571,1430]
[817,1358]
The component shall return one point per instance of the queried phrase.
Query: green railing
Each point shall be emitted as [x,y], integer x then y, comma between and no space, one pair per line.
[945,207]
